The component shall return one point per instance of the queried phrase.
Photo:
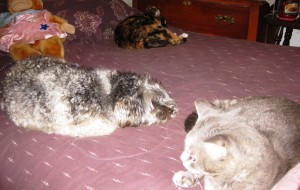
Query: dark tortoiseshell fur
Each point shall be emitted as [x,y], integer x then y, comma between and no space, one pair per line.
[146,31]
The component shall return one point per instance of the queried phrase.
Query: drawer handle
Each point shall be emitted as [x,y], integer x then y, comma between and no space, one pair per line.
[224,18]
[188,3]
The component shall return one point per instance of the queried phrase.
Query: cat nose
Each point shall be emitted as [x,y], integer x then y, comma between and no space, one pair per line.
[174,111]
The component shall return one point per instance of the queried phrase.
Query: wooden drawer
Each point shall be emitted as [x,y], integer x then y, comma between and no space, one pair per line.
[211,18]
[231,18]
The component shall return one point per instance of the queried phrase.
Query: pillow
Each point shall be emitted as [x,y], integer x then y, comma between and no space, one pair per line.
[290,181]
[94,20]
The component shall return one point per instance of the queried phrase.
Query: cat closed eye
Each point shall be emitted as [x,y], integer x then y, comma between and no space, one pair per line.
[165,112]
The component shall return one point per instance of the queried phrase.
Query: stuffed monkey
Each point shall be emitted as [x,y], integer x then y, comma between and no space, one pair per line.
[29,30]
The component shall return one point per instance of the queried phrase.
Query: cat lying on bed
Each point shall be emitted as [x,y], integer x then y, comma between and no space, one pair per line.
[48,95]
[241,144]
[146,31]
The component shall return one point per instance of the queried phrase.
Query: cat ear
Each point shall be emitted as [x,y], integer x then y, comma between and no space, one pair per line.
[204,107]
[216,147]
[157,13]
[147,99]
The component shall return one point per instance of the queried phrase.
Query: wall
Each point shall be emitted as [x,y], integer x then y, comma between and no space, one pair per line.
[129,2]
[295,40]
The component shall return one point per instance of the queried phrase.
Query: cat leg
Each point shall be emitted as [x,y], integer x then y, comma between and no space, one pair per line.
[175,40]
[155,41]
[138,45]
[164,37]
[184,179]
[97,126]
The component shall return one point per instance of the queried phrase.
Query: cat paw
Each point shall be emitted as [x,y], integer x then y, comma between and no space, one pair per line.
[184,35]
[184,179]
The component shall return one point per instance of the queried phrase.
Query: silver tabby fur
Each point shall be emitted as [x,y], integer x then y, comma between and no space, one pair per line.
[239,144]
[49,95]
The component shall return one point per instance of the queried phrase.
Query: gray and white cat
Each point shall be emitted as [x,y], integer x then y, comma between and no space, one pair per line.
[48,95]
[240,144]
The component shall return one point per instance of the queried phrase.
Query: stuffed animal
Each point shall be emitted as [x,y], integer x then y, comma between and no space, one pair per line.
[29,30]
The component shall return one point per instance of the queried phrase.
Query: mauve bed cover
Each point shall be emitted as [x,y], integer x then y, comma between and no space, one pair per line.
[205,67]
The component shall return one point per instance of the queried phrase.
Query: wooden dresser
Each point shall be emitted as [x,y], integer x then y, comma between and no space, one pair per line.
[240,19]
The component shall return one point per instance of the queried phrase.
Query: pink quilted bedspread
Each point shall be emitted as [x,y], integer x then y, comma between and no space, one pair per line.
[146,157]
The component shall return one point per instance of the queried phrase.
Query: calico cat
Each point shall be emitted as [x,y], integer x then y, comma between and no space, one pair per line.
[46,94]
[146,31]
[246,144]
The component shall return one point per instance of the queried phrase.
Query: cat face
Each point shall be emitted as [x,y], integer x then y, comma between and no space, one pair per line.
[159,106]
[206,152]
[146,103]
[208,157]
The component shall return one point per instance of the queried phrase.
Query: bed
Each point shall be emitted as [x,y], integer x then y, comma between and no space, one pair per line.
[207,67]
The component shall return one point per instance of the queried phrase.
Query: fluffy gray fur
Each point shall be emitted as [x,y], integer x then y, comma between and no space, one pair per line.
[49,95]
[241,143]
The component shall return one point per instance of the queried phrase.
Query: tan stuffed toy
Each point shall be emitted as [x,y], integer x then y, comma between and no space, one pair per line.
[28,30]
